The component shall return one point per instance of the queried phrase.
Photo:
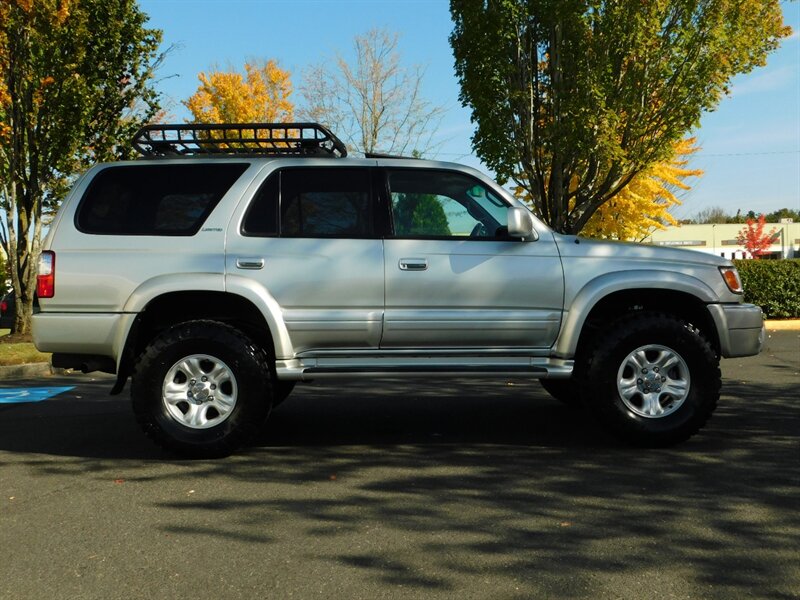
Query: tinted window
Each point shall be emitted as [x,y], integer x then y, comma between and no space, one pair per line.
[154,199]
[262,216]
[439,204]
[325,203]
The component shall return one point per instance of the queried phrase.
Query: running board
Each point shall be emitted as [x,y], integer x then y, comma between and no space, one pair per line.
[433,367]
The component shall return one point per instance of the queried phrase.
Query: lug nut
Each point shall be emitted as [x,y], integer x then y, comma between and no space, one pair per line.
[663,379]
[644,370]
[655,369]
[639,381]
[213,386]
[204,378]
[192,382]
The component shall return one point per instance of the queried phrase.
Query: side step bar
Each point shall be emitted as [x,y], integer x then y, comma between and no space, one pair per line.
[358,368]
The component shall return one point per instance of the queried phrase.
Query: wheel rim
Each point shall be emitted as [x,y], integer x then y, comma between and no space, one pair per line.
[653,381]
[199,391]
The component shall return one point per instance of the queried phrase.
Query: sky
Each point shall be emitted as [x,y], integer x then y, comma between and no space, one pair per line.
[750,146]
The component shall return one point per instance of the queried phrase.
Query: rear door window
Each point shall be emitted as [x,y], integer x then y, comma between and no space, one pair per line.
[313,202]
[154,199]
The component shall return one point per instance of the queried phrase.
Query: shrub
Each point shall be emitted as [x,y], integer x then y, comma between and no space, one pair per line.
[774,285]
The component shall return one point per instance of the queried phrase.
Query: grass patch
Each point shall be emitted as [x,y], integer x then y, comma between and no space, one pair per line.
[20,354]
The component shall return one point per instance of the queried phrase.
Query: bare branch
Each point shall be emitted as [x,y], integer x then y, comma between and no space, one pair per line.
[374,103]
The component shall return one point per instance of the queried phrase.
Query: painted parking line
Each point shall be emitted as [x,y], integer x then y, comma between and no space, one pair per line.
[20,395]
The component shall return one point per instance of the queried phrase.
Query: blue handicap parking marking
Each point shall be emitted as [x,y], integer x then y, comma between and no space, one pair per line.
[20,395]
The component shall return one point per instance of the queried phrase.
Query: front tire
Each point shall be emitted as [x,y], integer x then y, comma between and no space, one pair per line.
[201,389]
[652,379]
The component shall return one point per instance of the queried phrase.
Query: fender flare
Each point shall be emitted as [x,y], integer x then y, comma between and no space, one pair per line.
[604,285]
[248,289]
[269,308]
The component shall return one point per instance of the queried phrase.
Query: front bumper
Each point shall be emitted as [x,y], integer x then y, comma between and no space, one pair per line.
[740,327]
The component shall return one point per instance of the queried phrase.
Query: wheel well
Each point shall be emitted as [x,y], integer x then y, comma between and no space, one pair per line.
[170,309]
[680,304]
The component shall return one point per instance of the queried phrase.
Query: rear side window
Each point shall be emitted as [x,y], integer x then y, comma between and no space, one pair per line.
[325,202]
[154,199]
[312,202]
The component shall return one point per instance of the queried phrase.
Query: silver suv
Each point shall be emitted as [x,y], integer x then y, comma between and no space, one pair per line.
[236,260]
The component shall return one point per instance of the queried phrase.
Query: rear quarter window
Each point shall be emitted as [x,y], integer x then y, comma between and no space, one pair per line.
[154,199]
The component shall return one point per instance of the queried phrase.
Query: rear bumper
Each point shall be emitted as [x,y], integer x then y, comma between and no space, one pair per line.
[740,327]
[95,334]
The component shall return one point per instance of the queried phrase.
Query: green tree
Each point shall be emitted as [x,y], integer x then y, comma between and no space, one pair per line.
[783,213]
[3,274]
[574,98]
[75,83]
[419,214]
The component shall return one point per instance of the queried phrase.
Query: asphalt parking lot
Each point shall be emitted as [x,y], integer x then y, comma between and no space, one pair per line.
[446,489]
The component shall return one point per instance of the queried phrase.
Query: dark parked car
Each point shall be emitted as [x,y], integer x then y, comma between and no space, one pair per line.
[8,310]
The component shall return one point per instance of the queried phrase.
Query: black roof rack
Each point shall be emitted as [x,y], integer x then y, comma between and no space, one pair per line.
[270,139]
[384,155]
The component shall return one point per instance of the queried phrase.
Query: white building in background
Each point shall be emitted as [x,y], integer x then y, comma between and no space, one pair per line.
[721,239]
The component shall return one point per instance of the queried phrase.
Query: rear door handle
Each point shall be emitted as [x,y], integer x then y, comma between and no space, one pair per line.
[250,263]
[413,264]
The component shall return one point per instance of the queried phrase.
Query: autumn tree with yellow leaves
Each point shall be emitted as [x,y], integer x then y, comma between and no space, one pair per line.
[75,83]
[259,95]
[597,91]
[644,204]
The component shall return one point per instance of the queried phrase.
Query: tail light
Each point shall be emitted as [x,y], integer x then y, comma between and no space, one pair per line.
[3,307]
[46,281]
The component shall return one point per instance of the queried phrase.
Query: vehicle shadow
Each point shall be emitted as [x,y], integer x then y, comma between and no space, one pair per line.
[87,423]
[478,481]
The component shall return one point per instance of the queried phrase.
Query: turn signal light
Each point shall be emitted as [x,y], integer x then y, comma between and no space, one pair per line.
[46,280]
[731,277]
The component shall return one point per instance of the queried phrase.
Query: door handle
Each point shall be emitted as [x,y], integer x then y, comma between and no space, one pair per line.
[413,264]
[250,263]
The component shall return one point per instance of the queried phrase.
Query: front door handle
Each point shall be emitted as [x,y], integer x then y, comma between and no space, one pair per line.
[250,263]
[413,264]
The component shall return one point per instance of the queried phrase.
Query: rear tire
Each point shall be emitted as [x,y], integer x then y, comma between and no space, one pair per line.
[201,389]
[652,379]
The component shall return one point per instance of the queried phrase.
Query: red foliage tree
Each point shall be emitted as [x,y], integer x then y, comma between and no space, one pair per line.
[753,238]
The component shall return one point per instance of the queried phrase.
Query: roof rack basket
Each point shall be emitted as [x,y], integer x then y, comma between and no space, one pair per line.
[261,139]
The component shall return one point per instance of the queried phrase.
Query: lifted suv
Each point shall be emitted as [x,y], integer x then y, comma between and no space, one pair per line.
[236,260]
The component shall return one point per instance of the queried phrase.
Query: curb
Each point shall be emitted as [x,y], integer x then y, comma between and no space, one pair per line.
[29,370]
[787,325]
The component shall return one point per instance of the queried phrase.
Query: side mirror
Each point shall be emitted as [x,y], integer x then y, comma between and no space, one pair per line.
[520,224]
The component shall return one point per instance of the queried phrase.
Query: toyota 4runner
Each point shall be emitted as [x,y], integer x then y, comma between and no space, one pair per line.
[234,261]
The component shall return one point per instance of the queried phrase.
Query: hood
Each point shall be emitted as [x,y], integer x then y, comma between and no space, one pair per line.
[571,245]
